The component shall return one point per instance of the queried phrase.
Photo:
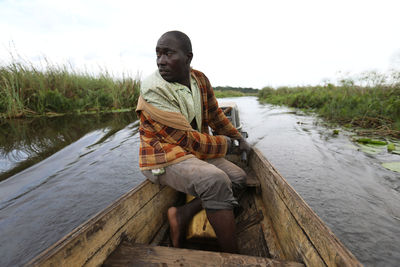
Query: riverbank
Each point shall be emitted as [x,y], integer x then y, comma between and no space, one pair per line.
[373,109]
[26,91]
[229,91]
[224,94]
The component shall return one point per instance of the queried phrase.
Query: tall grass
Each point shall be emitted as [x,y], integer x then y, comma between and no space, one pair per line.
[374,105]
[26,90]
[222,94]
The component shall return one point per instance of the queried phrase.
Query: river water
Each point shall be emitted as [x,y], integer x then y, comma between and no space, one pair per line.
[59,172]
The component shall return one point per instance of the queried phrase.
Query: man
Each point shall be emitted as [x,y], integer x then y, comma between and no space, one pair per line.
[176,107]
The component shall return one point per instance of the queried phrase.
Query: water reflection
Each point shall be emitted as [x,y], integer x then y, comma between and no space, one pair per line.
[95,162]
[24,142]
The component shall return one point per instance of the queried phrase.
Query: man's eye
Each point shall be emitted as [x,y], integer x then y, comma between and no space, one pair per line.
[169,53]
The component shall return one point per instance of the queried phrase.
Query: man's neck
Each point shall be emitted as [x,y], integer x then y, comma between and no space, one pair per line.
[186,81]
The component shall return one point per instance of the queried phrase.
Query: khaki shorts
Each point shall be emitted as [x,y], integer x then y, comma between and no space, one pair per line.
[210,180]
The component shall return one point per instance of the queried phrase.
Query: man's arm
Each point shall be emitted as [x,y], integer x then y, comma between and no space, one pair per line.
[203,146]
[217,119]
[220,123]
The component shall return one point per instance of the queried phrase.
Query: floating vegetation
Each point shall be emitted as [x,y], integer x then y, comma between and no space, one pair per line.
[373,146]
[394,148]
[393,166]
[372,149]
[391,147]
[335,132]
[371,141]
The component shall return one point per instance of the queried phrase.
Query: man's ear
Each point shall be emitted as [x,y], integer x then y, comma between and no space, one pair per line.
[189,57]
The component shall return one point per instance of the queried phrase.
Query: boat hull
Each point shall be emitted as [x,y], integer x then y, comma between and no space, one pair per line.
[285,227]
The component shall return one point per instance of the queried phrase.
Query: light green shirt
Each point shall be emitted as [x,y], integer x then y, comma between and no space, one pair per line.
[173,97]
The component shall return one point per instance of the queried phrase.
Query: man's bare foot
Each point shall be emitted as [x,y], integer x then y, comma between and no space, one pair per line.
[177,230]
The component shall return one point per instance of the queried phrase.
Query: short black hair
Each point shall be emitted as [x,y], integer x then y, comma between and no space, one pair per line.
[184,40]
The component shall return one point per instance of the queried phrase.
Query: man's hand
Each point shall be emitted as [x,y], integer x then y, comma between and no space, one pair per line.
[244,146]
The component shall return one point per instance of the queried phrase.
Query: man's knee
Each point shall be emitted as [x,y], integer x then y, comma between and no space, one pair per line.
[240,176]
[216,181]
[216,191]
[236,174]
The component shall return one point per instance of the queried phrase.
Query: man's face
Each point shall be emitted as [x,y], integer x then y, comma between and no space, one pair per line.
[173,64]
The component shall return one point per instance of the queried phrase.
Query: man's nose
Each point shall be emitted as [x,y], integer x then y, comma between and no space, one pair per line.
[161,60]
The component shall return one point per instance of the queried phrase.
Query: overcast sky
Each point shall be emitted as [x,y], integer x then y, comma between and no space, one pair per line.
[237,43]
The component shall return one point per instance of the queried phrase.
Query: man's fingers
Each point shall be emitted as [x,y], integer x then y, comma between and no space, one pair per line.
[244,146]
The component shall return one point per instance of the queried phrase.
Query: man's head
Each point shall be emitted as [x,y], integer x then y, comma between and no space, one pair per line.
[174,54]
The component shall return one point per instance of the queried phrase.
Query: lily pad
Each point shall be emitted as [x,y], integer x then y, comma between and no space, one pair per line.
[371,148]
[393,166]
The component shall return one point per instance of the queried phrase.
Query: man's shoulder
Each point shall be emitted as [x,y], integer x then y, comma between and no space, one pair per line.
[200,77]
[151,81]
[197,73]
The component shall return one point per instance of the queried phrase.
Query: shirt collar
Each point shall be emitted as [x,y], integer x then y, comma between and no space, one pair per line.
[175,85]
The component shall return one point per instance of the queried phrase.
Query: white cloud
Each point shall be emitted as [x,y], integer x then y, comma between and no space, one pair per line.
[253,43]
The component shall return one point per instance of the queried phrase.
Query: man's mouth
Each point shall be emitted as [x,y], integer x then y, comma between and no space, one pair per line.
[162,71]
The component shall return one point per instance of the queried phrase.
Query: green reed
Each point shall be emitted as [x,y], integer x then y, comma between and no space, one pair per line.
[229,93]
[26,90]
[374,105]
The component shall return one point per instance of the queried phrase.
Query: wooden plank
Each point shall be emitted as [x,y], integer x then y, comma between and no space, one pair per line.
[251,181]
[251,241]
[293,242]
[94,240]
[268,232]
[291,217]
[128,255]
[143,226]
[161,234]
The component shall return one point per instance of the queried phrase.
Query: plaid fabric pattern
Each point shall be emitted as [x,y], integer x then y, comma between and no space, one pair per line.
[161,145]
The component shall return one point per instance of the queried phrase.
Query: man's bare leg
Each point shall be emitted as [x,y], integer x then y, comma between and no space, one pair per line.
[223,222]
[179,218]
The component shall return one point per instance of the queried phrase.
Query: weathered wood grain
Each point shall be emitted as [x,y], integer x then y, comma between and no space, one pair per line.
[128,255]
[132,216]
[268,231]
[251,241]
[301,233]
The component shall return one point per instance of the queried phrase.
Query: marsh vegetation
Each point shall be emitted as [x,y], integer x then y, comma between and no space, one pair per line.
[229,91]
[369,101]
[27,90]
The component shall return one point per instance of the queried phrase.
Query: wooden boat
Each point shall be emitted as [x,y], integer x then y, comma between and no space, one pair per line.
[275,228]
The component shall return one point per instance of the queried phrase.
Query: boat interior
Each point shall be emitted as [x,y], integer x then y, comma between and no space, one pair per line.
[255,235]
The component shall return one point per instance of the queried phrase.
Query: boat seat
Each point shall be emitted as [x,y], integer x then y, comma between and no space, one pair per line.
[128,254]
[199,227]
